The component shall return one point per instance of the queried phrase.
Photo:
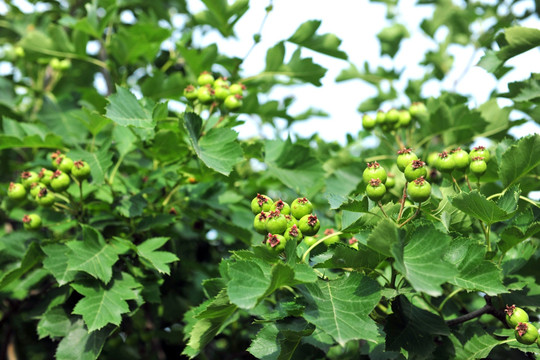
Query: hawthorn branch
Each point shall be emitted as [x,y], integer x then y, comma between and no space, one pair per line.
[486,309]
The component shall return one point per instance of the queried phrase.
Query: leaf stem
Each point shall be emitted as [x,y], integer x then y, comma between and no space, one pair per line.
[306,254]
[413,216]
[382,209]
[468,182]
[402,201]
[451,295]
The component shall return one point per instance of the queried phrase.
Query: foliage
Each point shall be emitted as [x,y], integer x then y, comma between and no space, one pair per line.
[155,254]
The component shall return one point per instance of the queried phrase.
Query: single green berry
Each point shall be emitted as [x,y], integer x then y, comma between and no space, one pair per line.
[515,315]
[259,223]
[276,223]
[478,166]
[205,94]
[282,206]
[205,78]
[461,158]
[301,207]
[418,109]
[45,176]
[64,164]
[380,118]
[404,118]
[310,240]
[276,242]
[221,82]
[291,220]
[45,198]
[31,222]
[221,92]
[16,191]
[237,89]
[233,102]
[432,158]
[390,181]
[261,203]
[28,178]
[190,92]
[331,239]
[419,190]
[368,122]
[353,242]
[309,224]
[415,170]
[60,181]
[54,156]
[35,188]
[526,333]
[445,162]
[480,151]
[293,233]
[375,190]
[392,116]
[374,171]
[405,157]
[80,170]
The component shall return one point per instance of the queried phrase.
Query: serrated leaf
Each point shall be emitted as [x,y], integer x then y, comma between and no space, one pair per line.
[519,159]
[476,205]
[56,262]
[33,141]
[158,259]
[80,344]
[421,260]
[99,162]
[125,110]
[341,307]
[218,148]
[30,259]
[390,38]
[102,305]
[54,323]
[383,237]
[347,257]
[92,255]
[327,44]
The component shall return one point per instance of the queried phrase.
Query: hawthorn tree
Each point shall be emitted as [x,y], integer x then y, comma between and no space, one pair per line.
[132,229]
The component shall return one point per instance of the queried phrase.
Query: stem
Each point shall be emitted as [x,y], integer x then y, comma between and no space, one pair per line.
[448,298]
[402,201]
[473,314]
[468,182]
[398,140]
[426,300]
[116,167]
[413,216]
[382,209]
[455,182]
[62,197]
[81,203]
[174,190]
[306,254]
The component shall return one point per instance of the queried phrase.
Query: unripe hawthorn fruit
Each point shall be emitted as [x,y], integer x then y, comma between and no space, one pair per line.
[28,178]
[293,233]
[415,169]
[259,223]
[374,171]
[205,94]
[390,181]
[276,242]
[392,116]
[353,242]
[31,222]
[60,181]
[237,89]
[261,203]
[221,92]
[282,206]
[80,170]
[291,220]
[45,198]
[301,207]
[526,333]
[332,239]
[233,102]
[418,109]
[16,191]
[419,190]
[205,78]
[380,118]
[478,166]
[405,157]
[445,162]
[461,158]
[35,188]
[515,315]
[276,223]
[190,92]
[54,156]
[404,119]
[309,224]
[64,164]
[310,240]
[45,176]
[221,82]
[375,190]
[368,122]
[480,151]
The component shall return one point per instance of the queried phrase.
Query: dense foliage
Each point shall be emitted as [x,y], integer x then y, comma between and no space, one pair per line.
[153,253]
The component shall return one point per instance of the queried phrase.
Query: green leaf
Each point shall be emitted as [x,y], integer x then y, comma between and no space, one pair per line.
[304,69]
[421,260]
[34,141]
[519,159]
[526,90]
[54,323]
[99,162]
[102,305]
[158,259]
[31,258]
[347,257]
[221,15]
[125,110]
[383,237]
[390,38]
[218,148]
[80,344]
[56,262]
[92,255]
[275,56]
[132,206]
[474,342]
[341,307]
[476,205]
[325,44]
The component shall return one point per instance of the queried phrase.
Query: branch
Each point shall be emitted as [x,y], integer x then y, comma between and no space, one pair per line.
[486,309]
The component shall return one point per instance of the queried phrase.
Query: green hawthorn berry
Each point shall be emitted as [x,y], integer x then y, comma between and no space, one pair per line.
[380,118]
[80,170]
[60,181]
[237,89]
[404,118]
[478,166]
[515,315]
[390,181]
[31,222]
[45,176]
[480,151]
[368,122]
[445,162]
[221,92]
[309,224]
[461,158]
[375,190]
[259,223]
[332,239]
[205,78]
[392,116]
[35,188]
[432,158]
[64,164]
[419,190]
[293,233]
[301,207]
[418,109]
[310,240]
[28,178]
[205,94]
[353,242]
[261,203]
[526,333]
[54,156]
[405,157]
[415,170]
[221,82]
[190,92]
[276,223]
[16,191]
[282,206]
[291,220]
[374,171]
[233,102]
[276,242]
[45,198]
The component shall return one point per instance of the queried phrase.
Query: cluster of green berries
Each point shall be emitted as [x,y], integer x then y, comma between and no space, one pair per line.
[219,91]
[394,118]
[525,332]
[281,222]
[41,186]
[458,159]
